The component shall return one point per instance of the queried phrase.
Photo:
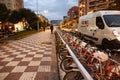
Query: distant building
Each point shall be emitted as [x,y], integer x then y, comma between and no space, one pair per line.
[73,12]
[56,22]
[89,6]
[13,4]
[65,19]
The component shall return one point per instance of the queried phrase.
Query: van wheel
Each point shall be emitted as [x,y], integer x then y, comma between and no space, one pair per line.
[105,44]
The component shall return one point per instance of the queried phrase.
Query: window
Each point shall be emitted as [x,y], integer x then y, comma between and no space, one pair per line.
[112,20]
[99,23]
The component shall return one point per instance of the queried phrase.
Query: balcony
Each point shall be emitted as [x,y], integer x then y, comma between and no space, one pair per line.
[101,3]
[92,5]
[92,0]
[112,1]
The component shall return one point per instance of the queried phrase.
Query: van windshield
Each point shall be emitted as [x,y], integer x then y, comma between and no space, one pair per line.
[112,20]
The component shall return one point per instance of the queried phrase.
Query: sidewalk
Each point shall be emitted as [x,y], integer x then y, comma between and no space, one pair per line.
[30,58]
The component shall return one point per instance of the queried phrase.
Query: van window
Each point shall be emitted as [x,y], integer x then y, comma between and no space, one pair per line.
[99,23]
[112,20]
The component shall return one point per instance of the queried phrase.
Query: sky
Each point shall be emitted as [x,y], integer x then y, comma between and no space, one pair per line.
[51,9]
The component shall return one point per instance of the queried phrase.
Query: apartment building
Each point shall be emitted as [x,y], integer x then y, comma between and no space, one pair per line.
[89,6]
[19,4]
[13,4]
[73,12]
[83,7]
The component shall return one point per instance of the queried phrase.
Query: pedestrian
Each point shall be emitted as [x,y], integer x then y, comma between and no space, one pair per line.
[43,28]
[51,28]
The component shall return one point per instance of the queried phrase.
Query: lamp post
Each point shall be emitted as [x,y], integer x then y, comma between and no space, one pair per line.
[37,15]
[0,24]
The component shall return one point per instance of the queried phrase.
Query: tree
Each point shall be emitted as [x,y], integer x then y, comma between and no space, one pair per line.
[29,16]
[4,14]
[14,17]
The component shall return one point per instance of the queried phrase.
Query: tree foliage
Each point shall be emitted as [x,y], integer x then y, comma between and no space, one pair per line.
[4,13]
[14,17]
[29,16]
[24,15]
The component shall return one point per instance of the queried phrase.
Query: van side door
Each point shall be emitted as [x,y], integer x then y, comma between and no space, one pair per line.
[99,32]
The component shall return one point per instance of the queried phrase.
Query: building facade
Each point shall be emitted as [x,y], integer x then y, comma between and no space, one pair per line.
[89,6]
[83,7]
[73,12]
[65,19]
[13,4]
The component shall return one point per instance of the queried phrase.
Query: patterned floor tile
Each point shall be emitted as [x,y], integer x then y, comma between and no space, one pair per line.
[32,53]
[13,63]
[41,50]
[26,51]
[13,55]
[36,59]
[4,56]
[3,76]
[23,63]
[46,59]
[34,63]
[3,63]
[7,69]
[1,67]
[44,69]
[28,76]
[27,59]
[47,53]
[1,59]
[43,76]
[16,53]
[31,69]
[19,69]
[13,76]
[29,55]
[7,59]
[21,56]
[45,63]
[38,55]
[17,59]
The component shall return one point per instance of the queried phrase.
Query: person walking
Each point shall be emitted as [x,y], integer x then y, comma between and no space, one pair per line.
[43,28]
[51,28]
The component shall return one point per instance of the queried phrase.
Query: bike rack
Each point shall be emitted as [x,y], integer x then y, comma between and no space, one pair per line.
[83,71]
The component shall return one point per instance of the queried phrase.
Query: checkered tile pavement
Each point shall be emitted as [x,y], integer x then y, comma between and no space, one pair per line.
[27,59]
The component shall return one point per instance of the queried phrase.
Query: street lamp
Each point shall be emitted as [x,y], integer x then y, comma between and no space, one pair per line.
[37,15]
[0,25]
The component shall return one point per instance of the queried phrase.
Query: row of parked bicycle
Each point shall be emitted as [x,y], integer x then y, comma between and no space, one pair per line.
[97,62]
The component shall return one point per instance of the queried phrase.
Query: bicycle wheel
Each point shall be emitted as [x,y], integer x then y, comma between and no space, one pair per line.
[65,64]
[62,55]
[73,75]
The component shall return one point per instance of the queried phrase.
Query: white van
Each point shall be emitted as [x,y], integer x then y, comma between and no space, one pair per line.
[102,28]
